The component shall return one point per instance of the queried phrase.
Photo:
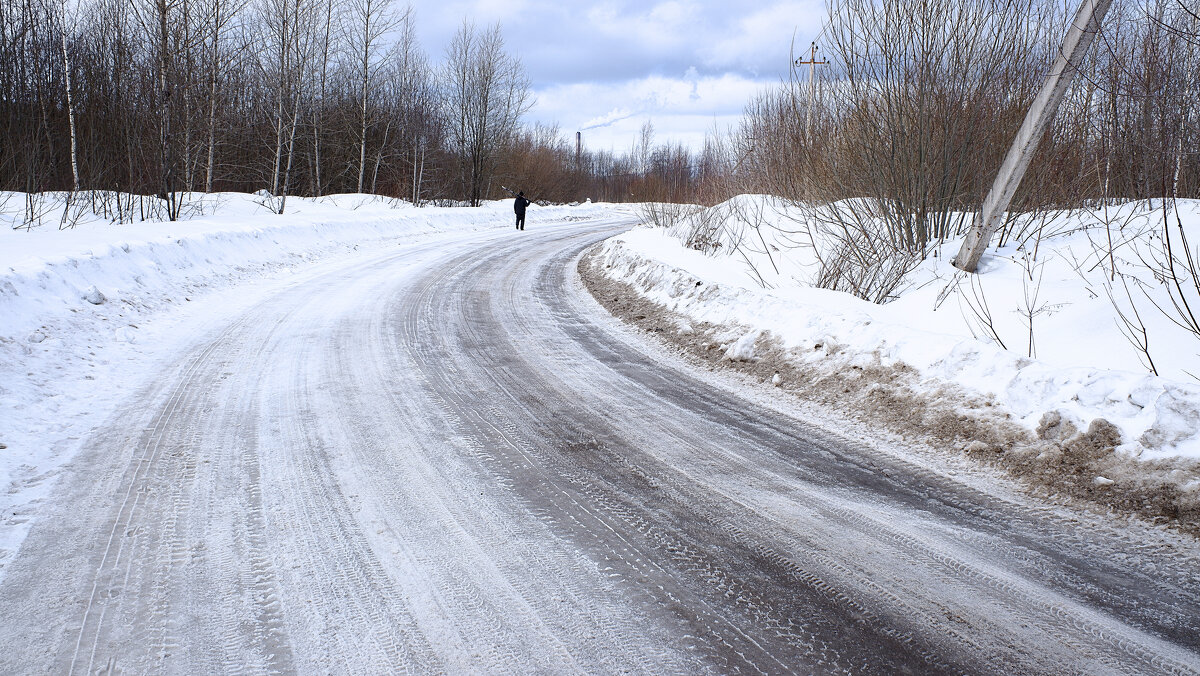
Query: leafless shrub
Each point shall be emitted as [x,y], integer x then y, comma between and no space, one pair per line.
[35,208]
[74,208]
[1175,264]
[746,228]
[1032,305]
[1129,321]
[1150,265]
[927,92]
[703,230]
[980,319]
[857,250]
[921,98]
[113,206]
[905,133]
[754,221]
[667,214]
[1141,90]
[267,200]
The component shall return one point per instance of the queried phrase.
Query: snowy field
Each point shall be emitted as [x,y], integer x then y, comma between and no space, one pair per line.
[93,310]
[1071,327]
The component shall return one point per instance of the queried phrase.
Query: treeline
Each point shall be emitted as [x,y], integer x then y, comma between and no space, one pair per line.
[290,97]
[920,99]
[559,170]
[913,112]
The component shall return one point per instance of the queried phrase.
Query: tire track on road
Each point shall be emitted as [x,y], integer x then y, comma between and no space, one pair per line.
[439,458]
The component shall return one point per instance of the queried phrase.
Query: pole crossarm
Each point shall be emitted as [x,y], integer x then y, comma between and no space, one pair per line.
[812,64]
[812,59]
[1075,44]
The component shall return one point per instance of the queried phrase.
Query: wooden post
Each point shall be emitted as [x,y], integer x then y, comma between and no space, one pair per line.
[1075,45]
[812,64]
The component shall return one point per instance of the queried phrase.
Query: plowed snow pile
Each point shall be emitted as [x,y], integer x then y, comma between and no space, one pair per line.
[1040,362]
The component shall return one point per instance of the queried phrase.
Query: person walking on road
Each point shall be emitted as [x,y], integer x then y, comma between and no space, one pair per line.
[519,205]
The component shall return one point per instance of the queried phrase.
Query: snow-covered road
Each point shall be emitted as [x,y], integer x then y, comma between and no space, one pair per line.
[446,458]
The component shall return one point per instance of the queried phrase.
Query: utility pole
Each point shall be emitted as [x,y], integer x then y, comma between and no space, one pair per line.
[812,64]
[1075,45]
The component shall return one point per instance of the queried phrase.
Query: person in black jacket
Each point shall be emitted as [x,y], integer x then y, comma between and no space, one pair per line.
[519,205]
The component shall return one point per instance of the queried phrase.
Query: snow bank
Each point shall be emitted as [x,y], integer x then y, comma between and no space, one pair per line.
[949,326]
[45,271]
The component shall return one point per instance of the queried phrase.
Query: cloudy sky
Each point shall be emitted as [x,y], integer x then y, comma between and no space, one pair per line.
[604,68]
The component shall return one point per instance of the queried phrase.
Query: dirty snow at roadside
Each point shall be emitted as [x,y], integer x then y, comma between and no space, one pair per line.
[93,309]
[1077,359]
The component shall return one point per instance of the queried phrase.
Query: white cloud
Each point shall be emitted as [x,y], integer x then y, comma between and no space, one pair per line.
[608,66]
[682,109]
[762,38]
[664,26]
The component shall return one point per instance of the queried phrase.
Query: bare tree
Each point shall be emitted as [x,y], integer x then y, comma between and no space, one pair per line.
[67,28]
[164,24]
[324,55]
[289,27]
[369,22]
[221,14]
[413,99]
[486,94]
[644,146]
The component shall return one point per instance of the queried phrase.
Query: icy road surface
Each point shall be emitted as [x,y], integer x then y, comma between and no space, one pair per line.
[445,458]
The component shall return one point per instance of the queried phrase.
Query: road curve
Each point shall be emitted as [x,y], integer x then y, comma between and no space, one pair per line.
[443,458]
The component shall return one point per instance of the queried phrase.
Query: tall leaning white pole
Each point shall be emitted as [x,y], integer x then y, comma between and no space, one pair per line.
[1075,44]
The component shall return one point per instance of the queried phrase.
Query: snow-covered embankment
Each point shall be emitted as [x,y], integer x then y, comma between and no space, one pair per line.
[1078,415]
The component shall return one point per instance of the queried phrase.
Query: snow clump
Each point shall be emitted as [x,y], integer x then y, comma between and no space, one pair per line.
[93,296]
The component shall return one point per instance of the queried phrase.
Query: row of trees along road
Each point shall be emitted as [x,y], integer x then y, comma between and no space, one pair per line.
[310,97]
[294,97]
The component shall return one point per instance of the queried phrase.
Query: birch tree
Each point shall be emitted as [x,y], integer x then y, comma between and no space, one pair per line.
[406,99]
[370,21]
[67,29]
[324,54]
[220,17]
[285,63]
